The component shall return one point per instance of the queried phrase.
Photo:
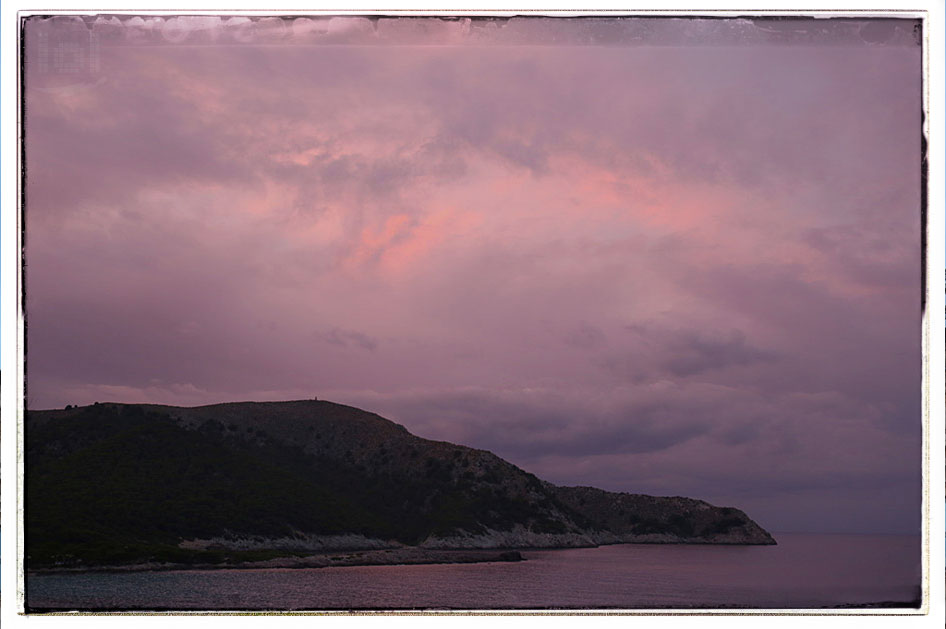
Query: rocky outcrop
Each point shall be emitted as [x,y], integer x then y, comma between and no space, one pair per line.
[636,518]
[517,537]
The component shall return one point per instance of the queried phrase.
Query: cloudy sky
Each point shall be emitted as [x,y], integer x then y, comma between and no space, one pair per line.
[668,257]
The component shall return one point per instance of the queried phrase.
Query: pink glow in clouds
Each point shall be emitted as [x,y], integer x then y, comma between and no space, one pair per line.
[674,269]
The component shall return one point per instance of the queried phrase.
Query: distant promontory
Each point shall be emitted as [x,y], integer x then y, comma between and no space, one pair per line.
[282,483]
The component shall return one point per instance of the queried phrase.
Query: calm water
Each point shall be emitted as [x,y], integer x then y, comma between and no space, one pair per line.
[803,571]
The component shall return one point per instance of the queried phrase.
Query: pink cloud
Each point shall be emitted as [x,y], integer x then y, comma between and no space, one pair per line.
[468,237]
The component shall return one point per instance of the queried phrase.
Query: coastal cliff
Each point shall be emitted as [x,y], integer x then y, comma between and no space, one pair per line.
[250,482]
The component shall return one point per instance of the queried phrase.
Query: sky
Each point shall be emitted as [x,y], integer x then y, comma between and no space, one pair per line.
[674,257]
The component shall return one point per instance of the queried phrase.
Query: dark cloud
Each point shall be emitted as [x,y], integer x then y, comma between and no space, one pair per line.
[351,338]
[684,353]
[586,336]
[523,426]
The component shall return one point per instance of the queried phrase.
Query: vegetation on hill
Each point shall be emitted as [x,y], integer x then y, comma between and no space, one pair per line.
[117,483]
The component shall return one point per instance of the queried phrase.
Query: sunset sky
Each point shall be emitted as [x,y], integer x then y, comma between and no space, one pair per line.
[675,257]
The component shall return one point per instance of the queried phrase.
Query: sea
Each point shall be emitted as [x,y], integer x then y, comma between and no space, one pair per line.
[803,571]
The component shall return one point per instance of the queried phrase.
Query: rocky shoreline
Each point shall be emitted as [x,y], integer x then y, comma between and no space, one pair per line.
[326,552]
[374,557]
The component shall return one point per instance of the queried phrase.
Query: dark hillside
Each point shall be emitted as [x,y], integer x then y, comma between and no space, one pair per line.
[115,483]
